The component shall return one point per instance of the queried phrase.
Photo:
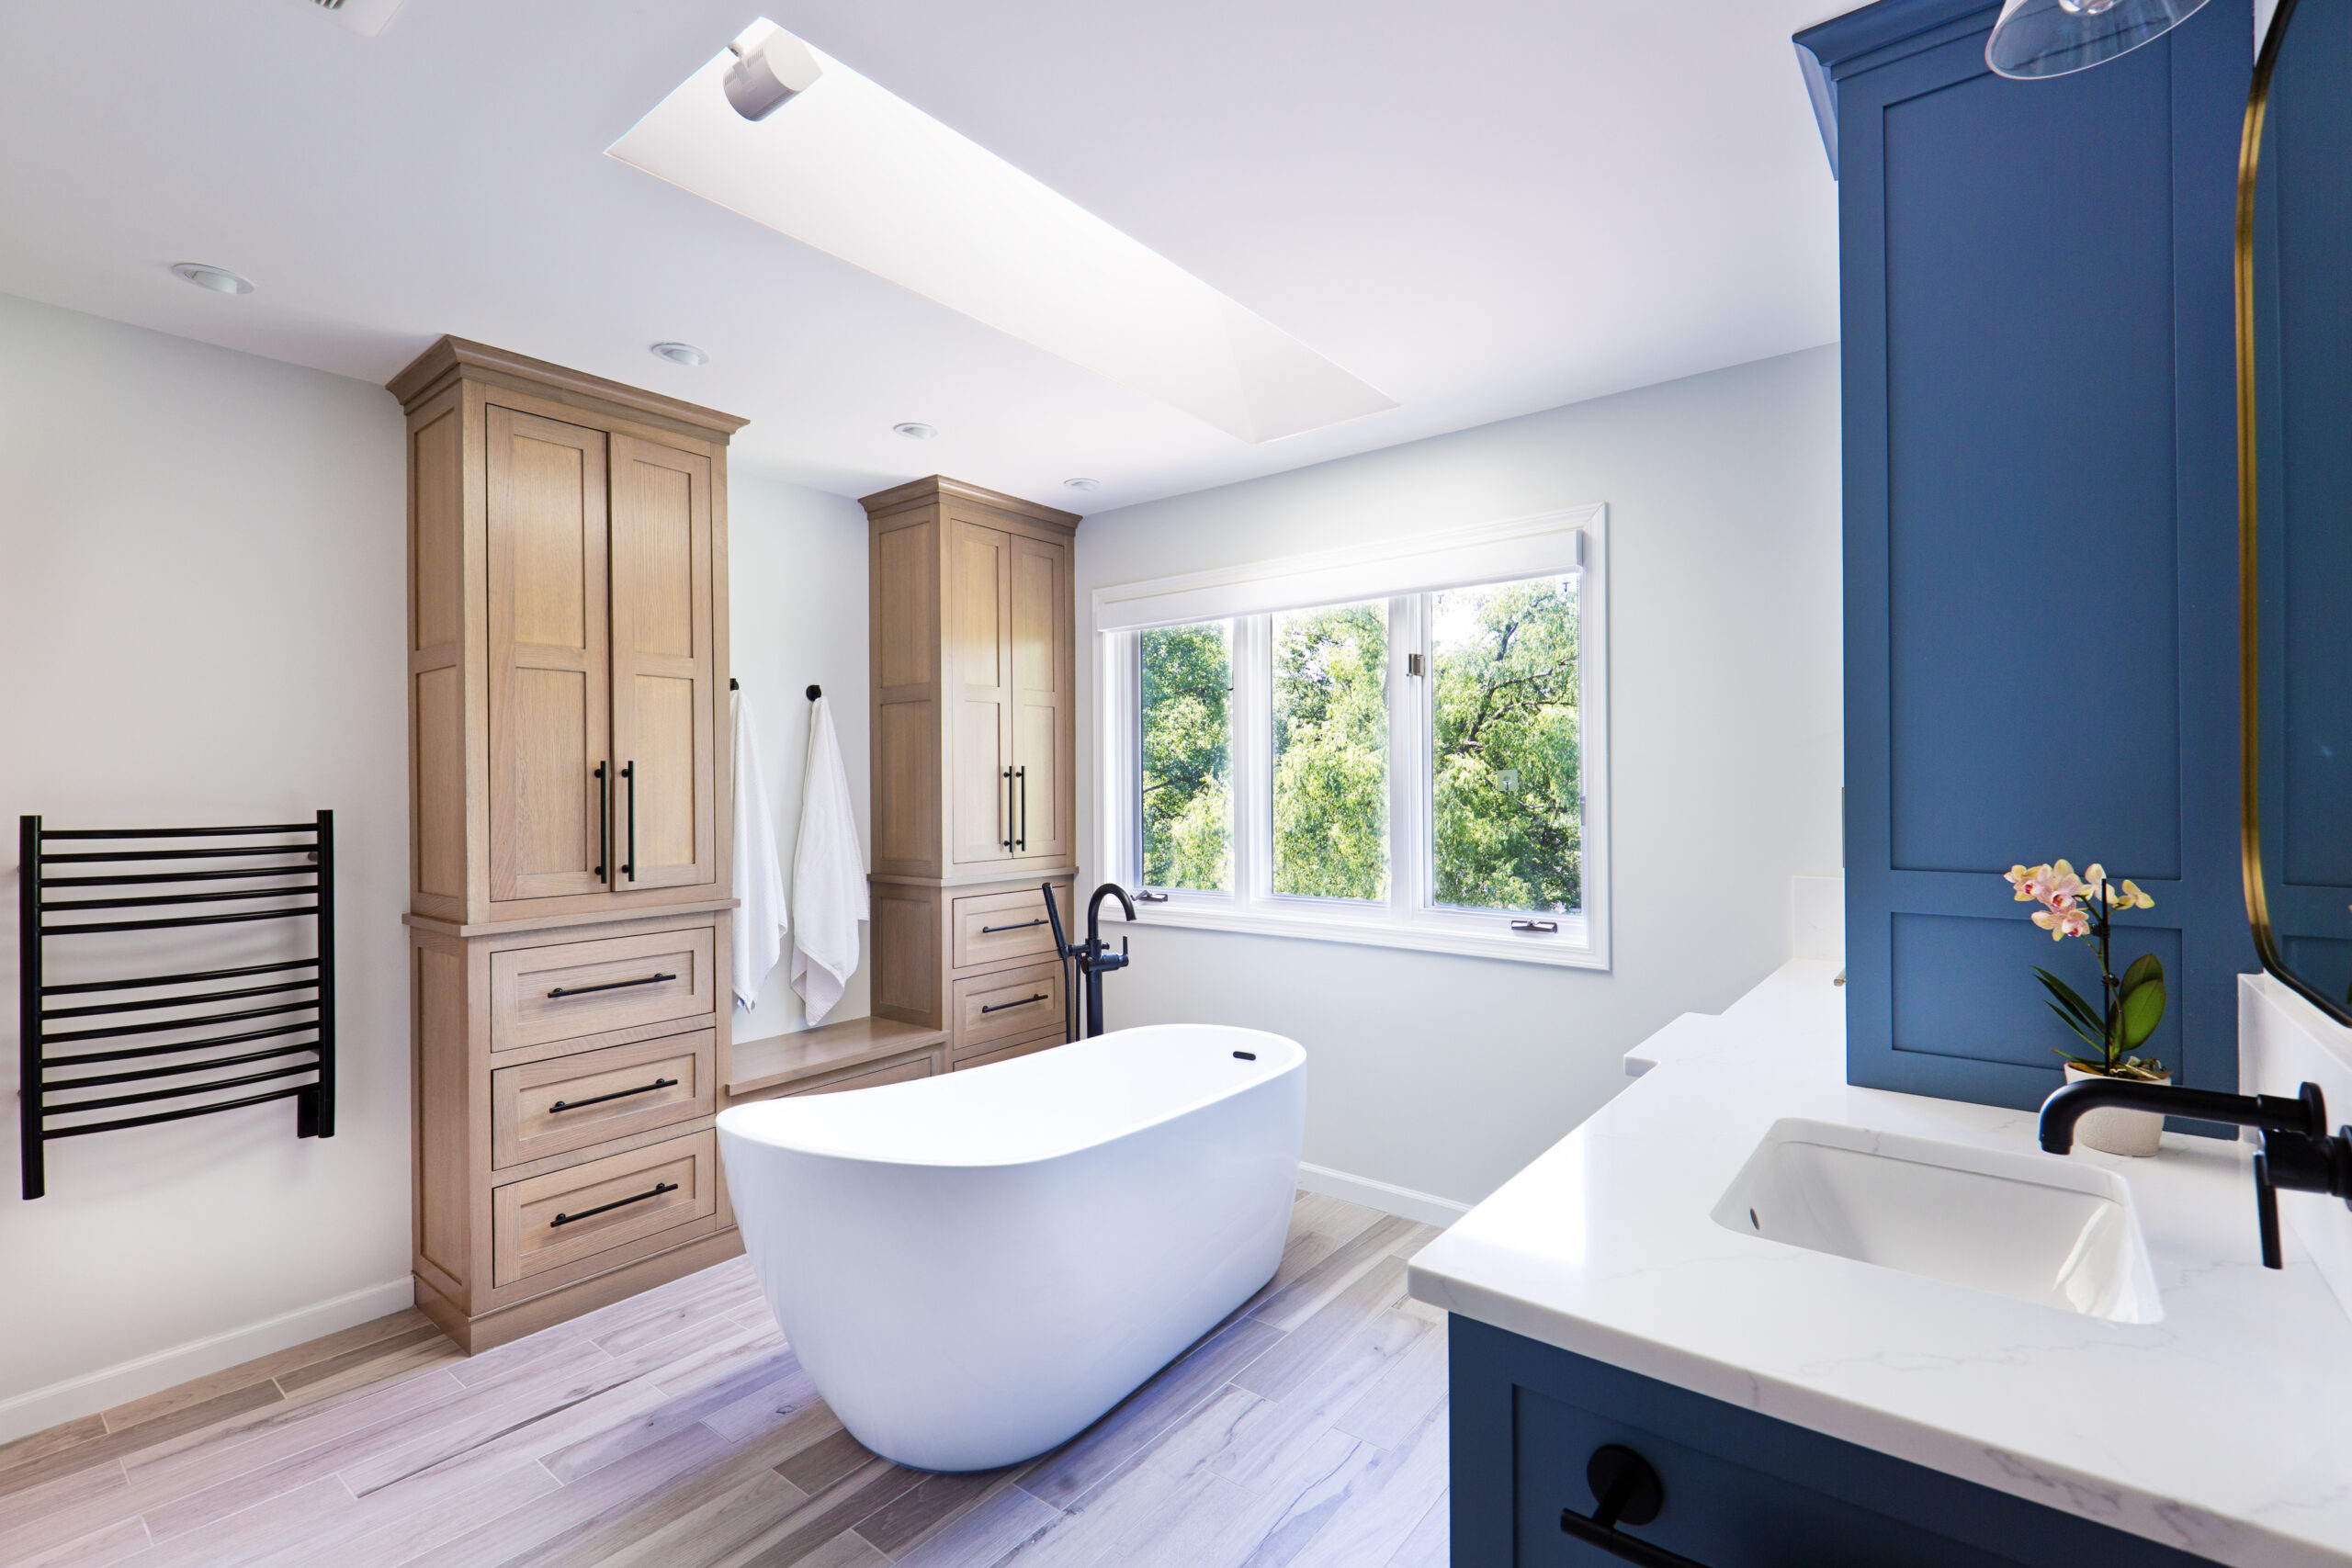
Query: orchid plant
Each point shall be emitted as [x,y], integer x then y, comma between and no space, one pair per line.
[2132,1005]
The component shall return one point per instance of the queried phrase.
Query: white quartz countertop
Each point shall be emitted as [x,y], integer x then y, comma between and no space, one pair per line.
[2225,1428]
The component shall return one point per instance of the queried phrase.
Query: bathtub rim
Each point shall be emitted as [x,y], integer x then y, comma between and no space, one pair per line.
[740,1114]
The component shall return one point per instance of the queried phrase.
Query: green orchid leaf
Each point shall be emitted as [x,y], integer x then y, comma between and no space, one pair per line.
[2070,1002]
[2089,1032]
[2145,967]
[2143,1010]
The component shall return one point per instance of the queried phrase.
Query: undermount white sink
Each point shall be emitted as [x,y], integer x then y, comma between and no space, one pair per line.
[2034,1227]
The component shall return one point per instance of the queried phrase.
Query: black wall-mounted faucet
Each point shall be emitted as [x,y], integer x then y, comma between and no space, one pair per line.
[2298,1151]
[1093,960]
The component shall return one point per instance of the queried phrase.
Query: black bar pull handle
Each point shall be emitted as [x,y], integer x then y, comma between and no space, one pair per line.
[653,979]
[1539,927]
[1021,777]
[1007,774]
[1020,925]
[658,1189]
[604,817]
[1624,1489]
[616,1094]
[628,772]
[1022,1003]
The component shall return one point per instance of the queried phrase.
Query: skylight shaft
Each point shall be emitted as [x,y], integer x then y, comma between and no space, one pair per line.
[856,171]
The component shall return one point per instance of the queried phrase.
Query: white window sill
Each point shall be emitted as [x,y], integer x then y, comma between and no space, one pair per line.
[1463,936]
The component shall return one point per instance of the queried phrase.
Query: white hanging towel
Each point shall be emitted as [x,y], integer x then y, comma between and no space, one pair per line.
[761,922]
[827,874]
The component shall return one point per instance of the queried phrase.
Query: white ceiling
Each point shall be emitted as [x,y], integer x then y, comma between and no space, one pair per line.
[1481,209]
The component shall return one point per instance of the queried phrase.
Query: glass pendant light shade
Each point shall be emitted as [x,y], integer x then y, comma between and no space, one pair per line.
[2051,37]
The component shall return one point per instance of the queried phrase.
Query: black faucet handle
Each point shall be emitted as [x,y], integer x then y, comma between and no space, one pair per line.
[2266,1212]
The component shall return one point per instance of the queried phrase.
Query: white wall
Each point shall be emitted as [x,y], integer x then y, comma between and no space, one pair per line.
[201,577]
[201,584]
[1446,1074]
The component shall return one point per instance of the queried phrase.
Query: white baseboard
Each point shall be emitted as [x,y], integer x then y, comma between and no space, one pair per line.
[1389,1199]
[109,1386]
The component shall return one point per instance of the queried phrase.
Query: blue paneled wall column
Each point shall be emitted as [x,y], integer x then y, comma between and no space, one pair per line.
[2040,527]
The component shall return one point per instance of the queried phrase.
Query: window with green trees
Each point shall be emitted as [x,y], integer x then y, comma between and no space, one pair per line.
[1331,752]
[1507,804]
[1421,769]
[1184,781]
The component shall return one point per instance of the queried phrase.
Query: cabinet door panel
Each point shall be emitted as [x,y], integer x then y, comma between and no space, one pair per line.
[550,699]
[979,592]
[1041,711]
[662,666]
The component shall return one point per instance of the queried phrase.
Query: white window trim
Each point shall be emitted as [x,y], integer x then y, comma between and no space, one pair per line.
[1573,540]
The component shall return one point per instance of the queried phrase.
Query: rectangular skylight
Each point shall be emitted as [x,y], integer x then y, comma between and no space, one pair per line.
[860,173]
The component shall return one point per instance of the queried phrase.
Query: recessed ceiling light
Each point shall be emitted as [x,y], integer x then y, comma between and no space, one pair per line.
[913,431]
[218,279]
[1083,484]
[681,354]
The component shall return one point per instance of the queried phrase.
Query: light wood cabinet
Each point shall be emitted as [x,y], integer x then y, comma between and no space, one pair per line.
[570,835]
[567,637]
[974,628]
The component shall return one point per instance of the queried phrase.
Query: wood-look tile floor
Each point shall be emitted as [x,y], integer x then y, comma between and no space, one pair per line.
[676,1430]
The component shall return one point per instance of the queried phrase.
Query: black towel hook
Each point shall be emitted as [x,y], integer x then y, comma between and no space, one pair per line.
[815,692]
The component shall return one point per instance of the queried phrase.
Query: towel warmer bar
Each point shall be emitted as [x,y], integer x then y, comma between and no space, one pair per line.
[283,1044]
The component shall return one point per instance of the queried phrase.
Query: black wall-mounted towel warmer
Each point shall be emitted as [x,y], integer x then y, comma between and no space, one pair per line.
[131,1018]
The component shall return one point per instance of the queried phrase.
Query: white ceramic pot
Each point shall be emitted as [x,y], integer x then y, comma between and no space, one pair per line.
[2113,1131]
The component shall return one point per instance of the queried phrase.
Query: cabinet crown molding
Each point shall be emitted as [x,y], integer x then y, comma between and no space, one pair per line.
[453,356]
[937,486]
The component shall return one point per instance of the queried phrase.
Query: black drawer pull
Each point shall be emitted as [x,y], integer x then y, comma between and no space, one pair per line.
[1538,926]
[991,930]
[658,1188]
[607,985]
[1022,1003]
[616,1094]
[1625,1488]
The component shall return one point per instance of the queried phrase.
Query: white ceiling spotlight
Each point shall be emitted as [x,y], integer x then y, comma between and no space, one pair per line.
[1083,484]
[769,74]
[681,354]
[218,279]
[365,17]
[915,431]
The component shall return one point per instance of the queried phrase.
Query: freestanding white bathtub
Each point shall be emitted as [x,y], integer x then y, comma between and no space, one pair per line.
[973,1267]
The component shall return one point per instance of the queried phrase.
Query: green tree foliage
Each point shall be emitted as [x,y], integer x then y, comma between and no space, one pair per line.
[1510,822]
[1330,720]
[1505,761]
[1187,752]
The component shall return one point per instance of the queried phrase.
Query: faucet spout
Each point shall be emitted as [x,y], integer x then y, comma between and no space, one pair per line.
[2270,1112]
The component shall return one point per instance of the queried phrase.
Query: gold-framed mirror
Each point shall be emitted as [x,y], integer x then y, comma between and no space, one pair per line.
[2294,385]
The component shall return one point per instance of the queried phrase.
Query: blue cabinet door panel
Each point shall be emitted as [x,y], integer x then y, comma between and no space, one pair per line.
[1743,1490]
[2040,531]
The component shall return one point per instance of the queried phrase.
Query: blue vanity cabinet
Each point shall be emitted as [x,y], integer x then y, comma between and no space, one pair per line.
[2039,531]
[1741,1490]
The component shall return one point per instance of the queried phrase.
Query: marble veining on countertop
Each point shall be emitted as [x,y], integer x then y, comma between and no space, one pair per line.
[2224,1428]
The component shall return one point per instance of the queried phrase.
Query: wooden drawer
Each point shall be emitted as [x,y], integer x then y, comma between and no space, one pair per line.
[993,927]
[1011,1004]
[1006,1052]
[897,1072]
[569,989]
[549,1221]
[569,1102]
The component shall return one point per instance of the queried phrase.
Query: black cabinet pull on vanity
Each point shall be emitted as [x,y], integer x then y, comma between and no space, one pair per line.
[1624,1489]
